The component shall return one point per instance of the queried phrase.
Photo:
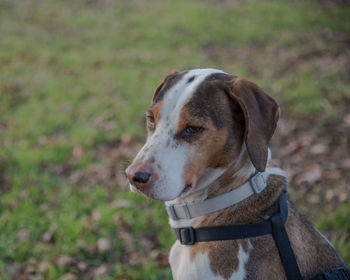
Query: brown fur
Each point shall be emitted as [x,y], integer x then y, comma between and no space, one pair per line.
[154,111]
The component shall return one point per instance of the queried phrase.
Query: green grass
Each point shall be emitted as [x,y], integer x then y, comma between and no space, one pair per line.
[80,74]
[336,223]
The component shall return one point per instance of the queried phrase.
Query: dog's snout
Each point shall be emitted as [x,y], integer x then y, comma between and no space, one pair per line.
[141,177]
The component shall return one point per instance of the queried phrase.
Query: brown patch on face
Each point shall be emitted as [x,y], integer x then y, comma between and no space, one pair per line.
[155,110]
[208,145]
[153,113]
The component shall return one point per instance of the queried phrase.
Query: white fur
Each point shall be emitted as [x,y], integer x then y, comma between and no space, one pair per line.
[170,160]
[199,269]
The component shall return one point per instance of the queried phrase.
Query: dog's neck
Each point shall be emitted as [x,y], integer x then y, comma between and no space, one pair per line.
[235,175]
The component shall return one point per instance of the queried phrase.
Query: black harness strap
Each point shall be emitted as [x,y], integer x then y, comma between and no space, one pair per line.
[280,236]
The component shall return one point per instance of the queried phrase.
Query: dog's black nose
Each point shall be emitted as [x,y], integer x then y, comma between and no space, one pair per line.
[141,177]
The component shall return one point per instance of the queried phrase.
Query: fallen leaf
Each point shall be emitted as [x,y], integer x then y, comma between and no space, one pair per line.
[77,152]
[64,261]
[346,163]
[312,174]
[82,266]
[101,270]
[22,235]
[43,266]
[48,237]
[96,215]
[122,203]
[29,269]
[103,244]
[68,276]
[319,149]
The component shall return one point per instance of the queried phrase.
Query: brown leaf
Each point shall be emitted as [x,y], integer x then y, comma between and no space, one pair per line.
[68,276]
[43,266]
[22,235]
[319,149]
[101,270]
[64,261]
[346,163]
[77,152]
[120,203]
[103,244]
[96,215]
[312,174]
[82,266]
[48,236]
[29,269]
[347,119]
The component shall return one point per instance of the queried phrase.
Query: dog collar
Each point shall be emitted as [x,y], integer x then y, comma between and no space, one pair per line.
[254,185]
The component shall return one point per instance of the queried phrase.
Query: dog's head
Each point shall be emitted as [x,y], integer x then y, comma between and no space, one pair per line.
[198,124]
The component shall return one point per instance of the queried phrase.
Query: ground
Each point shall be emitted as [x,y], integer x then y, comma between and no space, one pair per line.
[76,78]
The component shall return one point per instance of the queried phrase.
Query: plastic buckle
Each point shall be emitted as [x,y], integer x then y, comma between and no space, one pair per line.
[186,236]
[255,184]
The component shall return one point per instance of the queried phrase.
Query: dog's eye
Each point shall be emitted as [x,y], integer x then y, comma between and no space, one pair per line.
[192,130]
[150,118]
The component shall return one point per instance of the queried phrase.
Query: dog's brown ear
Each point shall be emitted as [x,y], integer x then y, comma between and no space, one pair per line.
[159,87]
[261,114]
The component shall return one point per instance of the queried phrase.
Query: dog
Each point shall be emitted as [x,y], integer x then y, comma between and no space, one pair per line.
[208,133]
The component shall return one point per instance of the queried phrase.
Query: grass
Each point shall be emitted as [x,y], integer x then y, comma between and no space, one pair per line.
[76,77]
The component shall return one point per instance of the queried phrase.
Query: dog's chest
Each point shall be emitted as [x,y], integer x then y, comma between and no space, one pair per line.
[199,267]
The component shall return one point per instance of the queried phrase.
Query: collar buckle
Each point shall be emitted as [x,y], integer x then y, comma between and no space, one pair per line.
[186,236]
[258,183]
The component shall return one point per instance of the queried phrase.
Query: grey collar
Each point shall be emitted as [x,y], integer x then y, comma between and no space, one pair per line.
[254,185]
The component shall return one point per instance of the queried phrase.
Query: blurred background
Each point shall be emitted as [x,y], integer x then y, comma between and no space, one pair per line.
[75,80]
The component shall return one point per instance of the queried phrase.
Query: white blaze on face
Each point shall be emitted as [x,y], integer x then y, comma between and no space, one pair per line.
[170,157]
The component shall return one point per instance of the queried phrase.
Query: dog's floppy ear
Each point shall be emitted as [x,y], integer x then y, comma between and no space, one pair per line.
[159,87]
[261,114]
